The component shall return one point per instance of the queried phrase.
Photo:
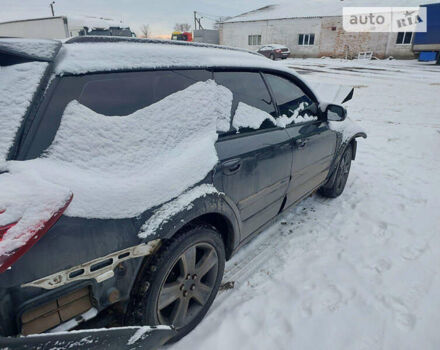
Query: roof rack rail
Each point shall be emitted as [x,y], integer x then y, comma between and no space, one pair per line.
[117,39]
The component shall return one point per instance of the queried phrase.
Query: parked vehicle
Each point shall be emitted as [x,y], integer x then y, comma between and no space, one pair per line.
[274,51]
[185,36]
[428,43]
[62,27]
[136,169]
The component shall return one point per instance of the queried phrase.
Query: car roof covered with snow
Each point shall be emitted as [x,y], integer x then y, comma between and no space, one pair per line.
[88,54]
[98,54]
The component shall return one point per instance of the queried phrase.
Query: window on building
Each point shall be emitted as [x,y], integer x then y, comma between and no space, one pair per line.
[306,39]
[254,40]
[404,38]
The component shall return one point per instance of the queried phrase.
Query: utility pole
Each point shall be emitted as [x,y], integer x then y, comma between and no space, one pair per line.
[195,20]
[51,8]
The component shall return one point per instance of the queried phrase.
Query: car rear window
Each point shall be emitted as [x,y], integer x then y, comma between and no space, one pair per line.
[18,84]
[109,94]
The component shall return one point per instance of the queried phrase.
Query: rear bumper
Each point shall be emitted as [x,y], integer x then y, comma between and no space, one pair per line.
[145,337]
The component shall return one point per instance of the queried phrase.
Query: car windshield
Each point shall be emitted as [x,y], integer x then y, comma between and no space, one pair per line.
[19,83]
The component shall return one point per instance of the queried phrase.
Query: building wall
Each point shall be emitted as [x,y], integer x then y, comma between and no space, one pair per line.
[330,38]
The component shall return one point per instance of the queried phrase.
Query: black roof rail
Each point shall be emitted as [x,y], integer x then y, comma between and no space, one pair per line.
[117,39]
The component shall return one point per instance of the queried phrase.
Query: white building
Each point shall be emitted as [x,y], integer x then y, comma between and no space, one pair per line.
[313,28]
[61,27]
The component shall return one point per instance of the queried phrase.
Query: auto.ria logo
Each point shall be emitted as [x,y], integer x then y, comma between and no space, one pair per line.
[384,19]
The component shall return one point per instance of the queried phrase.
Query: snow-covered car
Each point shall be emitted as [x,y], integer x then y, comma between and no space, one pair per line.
[131,170]
[274,51]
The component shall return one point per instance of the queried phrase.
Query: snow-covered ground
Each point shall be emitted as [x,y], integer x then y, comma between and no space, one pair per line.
[360,271]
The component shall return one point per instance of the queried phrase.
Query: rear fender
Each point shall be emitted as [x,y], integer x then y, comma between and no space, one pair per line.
[167,220]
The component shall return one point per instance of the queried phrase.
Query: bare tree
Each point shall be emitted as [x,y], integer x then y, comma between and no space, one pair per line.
[145,30]
[182,27]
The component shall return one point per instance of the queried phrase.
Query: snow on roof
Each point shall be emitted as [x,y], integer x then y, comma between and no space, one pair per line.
[93,22]
[80,58]
[317,8]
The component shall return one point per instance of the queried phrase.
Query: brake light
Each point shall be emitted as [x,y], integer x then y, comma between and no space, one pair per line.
[278,50]
[27,239]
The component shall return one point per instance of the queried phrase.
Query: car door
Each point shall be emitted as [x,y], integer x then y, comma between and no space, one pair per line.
[312,141]
[255,157]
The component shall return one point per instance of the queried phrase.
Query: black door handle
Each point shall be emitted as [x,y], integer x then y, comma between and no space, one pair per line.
[231,166]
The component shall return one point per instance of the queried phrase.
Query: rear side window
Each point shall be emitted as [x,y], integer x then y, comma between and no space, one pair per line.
[250,94]
[113,94]
[123,94]
[290,98]
[18,85]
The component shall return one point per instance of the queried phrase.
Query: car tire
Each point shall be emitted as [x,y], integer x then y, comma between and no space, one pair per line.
[343,170]
[272,57]
[169,282]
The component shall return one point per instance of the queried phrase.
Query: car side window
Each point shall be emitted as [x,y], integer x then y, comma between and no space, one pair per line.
[290,99]
[252,106]
[112,94]
[124,94]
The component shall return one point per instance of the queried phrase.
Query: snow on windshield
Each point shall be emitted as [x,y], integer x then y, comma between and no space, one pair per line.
[118,167]
[18,84]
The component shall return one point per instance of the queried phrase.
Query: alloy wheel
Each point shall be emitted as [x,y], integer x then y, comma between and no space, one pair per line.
[188,285]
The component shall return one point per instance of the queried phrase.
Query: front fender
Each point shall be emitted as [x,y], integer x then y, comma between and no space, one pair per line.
[343,142]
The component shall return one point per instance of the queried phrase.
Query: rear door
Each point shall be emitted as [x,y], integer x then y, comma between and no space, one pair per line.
[255,155]
[312,141]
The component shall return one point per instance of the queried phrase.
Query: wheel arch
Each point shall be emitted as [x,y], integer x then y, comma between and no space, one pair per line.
[213,209]
[350,142]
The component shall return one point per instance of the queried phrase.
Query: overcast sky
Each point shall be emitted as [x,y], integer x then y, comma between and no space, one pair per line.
[160,15]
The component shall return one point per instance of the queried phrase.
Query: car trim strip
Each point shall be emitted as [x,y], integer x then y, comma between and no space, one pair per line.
[99,269]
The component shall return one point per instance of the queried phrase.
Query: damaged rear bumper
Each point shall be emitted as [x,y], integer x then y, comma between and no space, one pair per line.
[137,337]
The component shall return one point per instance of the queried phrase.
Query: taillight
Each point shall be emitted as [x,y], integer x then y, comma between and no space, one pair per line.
[25,239]
[278,50]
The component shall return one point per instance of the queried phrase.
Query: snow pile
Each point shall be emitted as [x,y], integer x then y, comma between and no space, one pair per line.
[18,84]
[296,117]
[184,201]
[30,201]
[250,117]
[38,48]
[118,167]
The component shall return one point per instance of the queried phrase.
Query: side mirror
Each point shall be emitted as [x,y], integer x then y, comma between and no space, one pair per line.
[335,113]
